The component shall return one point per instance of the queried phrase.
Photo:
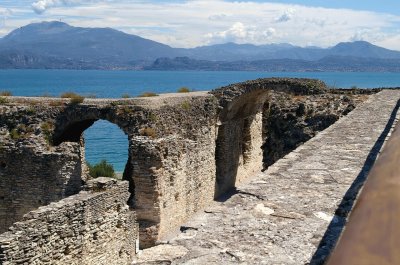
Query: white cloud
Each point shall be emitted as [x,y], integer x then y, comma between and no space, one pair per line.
[286,16]
[198,22]
[239,33]
[41,6]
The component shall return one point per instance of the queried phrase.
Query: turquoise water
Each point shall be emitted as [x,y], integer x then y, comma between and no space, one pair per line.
[105,140]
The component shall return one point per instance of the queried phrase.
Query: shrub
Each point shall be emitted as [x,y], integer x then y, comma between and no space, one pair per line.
[185,105]
[148,132]
[74,97]
[102,169]
[184,90]
[5,93]
[14,134]
[3,100]
[148,94]
[47,129]
[68,95]
[76,100]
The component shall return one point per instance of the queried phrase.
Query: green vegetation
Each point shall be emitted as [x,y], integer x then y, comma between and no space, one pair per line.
[5,93]
[148,94]
[148,132]
[185,105]
[47,130]
[184,90]
[14,134]
[22,131]
[102,169]
[126,96]
[3,100]
[153,117]
[74,98]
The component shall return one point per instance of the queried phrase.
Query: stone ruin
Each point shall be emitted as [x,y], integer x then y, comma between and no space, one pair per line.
[185,150]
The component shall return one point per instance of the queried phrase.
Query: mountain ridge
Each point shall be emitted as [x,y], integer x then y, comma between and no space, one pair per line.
[59,45]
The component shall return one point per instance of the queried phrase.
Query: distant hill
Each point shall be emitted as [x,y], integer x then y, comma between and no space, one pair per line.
[59,41]
[59,45]
[329,63]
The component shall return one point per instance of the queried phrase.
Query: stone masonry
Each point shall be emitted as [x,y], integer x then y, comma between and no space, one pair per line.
[294,212]
[185,150]
[92,227]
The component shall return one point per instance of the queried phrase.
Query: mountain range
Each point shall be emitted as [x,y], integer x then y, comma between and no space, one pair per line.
[57,45]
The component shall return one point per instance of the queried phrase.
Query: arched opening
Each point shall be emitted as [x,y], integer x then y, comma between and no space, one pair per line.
[105,141]
[238,152]
[99,139]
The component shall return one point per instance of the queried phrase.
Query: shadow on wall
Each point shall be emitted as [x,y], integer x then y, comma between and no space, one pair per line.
[238,145]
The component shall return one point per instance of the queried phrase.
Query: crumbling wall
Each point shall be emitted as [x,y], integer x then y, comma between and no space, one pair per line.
[184,149]
[173,166]
[32,173]
[95,226]
[290,120]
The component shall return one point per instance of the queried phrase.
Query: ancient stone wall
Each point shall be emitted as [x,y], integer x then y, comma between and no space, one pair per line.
[171,155]
[32,173]
[290,120]
[184,149]
[95,226]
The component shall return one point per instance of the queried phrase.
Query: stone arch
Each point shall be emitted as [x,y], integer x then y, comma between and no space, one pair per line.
[139,170]
[238,152]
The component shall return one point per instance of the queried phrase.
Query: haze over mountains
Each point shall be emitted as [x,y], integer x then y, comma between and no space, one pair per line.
[60,46]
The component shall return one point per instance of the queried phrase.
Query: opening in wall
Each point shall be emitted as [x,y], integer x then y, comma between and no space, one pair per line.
[106,142]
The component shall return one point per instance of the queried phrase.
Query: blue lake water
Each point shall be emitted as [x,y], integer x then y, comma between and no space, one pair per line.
[105,140]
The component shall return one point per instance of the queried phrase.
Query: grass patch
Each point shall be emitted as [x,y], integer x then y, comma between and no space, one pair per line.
[150,132]
[15,135]
[102,169]
[3,100]
[148,94]
[185,105]
[47,130]
[184,90]
[74,97]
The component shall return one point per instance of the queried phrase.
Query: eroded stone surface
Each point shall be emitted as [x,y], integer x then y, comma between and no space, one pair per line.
[92,227]
[281,216]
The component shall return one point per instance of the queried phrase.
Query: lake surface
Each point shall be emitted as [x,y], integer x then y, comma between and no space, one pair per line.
[105,140]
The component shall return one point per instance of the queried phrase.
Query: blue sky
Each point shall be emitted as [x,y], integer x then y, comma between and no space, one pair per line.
[193,23]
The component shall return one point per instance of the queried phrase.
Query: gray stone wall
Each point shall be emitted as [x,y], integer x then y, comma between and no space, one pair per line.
[184,149]
[95,226]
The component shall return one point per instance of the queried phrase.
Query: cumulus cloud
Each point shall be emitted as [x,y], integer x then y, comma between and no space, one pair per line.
[190,23]
[41,6]
[286,16]
[240,33]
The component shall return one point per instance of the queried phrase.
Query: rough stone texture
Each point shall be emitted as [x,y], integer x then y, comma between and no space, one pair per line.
[171,154]
[298,206]
[184,149]
[289,121]
[92,227]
